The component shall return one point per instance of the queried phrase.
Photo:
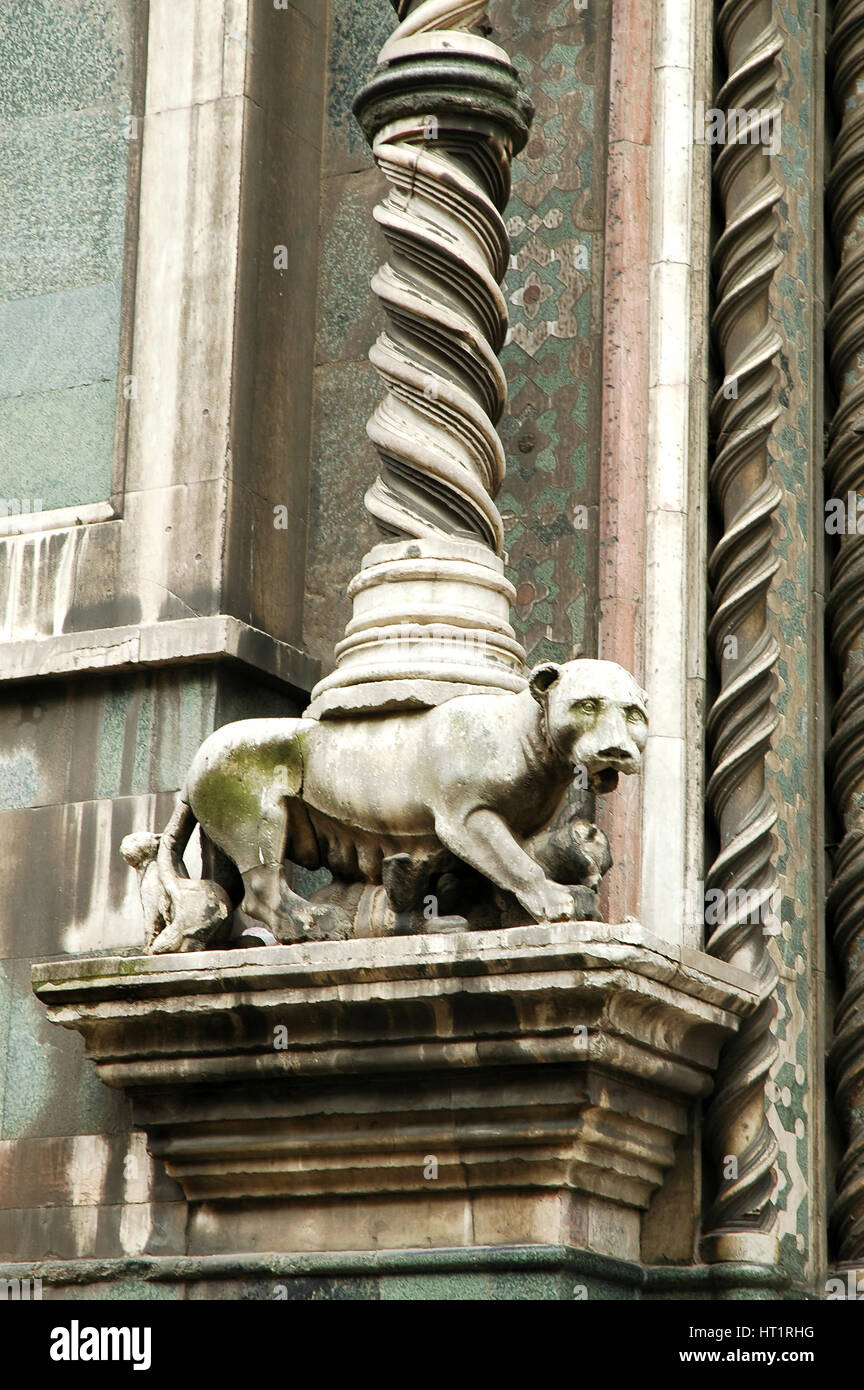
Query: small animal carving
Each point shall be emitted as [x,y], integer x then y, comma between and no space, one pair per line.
[180,914]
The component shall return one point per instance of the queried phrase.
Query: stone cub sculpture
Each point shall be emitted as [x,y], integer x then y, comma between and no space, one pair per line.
[465,789]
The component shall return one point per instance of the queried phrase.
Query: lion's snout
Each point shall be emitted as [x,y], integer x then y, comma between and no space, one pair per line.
[623,758]
[618,751]
[612,758]
[610,745]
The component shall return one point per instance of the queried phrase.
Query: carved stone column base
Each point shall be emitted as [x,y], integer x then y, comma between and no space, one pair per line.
[484,1088]
[750,1247]
[431,620]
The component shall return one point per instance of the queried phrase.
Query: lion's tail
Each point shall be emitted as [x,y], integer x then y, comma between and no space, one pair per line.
[172,843]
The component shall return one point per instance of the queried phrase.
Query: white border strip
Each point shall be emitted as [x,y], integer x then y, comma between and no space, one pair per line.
[669,764]
[55,519]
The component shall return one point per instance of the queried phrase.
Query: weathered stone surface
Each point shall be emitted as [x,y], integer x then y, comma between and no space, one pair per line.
[543,1073]
[528,1272]
[742,721]
[73,1232]
[219,395]
[845,478]
[444,114]
[554,291]
[65,154]
[171,643]
[429,615]
[407,801]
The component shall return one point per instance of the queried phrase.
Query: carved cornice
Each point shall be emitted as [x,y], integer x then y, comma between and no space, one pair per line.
[546,1071]
[742,719]
[844,467]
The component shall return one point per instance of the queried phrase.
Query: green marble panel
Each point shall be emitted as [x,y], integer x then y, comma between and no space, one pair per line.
[65,101]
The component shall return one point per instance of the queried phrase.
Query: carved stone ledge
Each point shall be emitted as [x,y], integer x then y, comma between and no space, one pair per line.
[181,641]
[547,1070]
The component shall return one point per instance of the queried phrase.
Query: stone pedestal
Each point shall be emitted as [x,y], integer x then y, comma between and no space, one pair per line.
[431,619]
[524,1086]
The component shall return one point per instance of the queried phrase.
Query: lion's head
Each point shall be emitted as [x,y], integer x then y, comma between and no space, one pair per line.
[594,716]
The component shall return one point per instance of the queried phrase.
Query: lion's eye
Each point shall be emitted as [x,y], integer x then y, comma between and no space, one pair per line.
[635,715]
[587,706]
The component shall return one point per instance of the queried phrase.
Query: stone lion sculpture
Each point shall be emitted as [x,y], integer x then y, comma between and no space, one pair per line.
[428,811]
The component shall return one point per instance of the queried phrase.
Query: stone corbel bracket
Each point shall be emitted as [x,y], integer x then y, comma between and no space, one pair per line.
[517,1086]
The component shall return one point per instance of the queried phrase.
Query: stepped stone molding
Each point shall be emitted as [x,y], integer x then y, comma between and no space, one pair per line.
[844,466]
[742,719]
[518,1086]
[200,640]
[444,115]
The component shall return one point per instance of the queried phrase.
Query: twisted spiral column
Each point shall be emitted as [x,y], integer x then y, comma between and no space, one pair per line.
[742,719]
[844,466]
[444,115]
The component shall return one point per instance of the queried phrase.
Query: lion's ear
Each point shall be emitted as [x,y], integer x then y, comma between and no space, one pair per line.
[541,678]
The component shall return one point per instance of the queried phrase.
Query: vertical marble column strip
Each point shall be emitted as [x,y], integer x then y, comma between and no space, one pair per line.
[742,1221]
[844,466]
[624,428]
[674,361]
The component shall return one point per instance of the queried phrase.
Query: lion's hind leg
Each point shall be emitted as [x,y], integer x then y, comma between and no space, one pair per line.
[245,787]
[285,833]
[270,900]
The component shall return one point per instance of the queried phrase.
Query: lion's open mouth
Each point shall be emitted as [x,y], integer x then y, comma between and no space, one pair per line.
[606,780]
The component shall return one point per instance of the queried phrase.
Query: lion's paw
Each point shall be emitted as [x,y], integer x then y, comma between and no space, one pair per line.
[585,900]
[551,902]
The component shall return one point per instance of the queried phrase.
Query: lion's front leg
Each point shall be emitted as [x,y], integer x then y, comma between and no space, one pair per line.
[484,840]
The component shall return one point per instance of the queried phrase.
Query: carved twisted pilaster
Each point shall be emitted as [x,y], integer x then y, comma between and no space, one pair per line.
[844,474]
[742,719]
[444,114]
[448,165]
